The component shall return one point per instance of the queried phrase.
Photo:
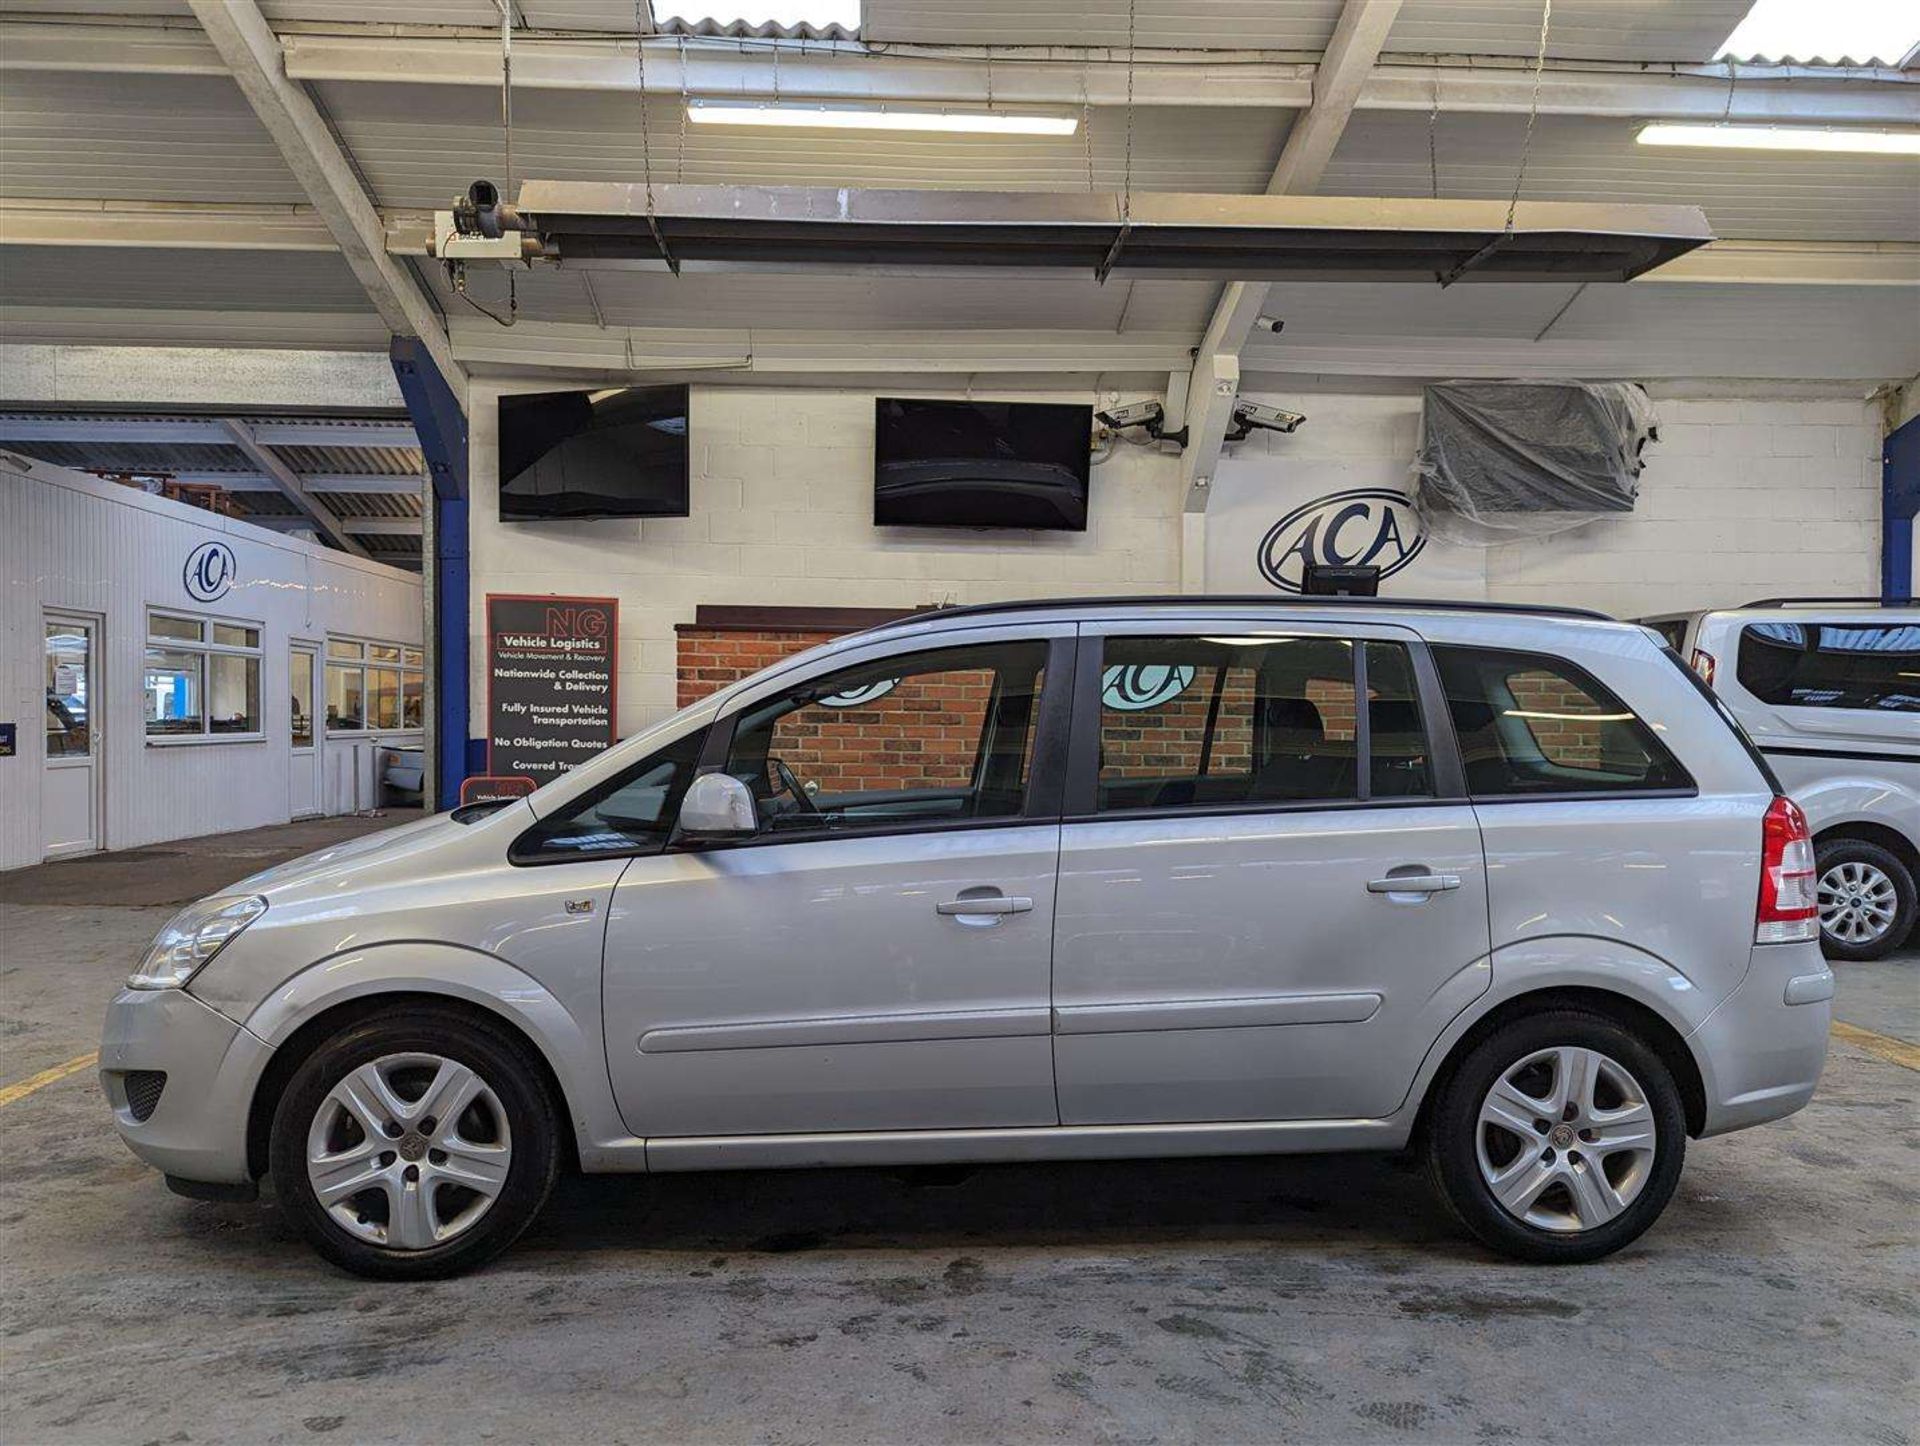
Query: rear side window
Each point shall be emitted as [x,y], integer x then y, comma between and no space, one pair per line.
[1529,724]
[1832,665]
[1198,722]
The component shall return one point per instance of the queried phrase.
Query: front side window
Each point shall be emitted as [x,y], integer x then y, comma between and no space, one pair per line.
[632,812]
[1832,665]
[936,737]
[201,677]
[1529,724]
[1196,722]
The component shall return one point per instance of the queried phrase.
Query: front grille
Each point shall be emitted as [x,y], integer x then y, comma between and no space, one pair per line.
[143,1091]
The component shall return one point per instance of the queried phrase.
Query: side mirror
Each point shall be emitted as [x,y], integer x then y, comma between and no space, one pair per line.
[718,806]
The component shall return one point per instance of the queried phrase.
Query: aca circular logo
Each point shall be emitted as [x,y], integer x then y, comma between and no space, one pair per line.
[1140,686]
[1361,527]
[210,571]
[865,693]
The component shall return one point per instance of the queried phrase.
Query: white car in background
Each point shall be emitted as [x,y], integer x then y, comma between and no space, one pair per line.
[1829,691]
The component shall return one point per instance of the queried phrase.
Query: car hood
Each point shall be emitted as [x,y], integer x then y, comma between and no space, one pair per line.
[387,846]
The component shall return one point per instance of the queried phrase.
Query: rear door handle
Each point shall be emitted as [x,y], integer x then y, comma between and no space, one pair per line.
[986,904]
[1414,884]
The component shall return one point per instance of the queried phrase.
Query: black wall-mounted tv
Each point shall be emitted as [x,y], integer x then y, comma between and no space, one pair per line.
[620,453]
[981,464]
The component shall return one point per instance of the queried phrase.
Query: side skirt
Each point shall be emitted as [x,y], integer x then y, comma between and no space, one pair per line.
[1055,1142]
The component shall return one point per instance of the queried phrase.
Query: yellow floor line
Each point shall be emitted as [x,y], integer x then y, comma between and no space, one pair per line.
[1884,1045]
[59,1072]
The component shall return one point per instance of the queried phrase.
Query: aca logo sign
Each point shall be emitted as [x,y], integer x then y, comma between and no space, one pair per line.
[1361,527]
[1143,685]
[209,572]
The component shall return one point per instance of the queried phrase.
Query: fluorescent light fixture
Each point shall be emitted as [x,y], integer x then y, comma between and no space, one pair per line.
[1862,31]
[1783,138]
[860,118]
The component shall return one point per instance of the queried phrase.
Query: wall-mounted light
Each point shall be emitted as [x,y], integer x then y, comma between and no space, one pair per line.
[873,118]
[1783,138]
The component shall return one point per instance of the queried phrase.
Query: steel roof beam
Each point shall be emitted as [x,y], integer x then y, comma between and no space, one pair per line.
[164,430]
[252,54]
[248,440]
[376,484]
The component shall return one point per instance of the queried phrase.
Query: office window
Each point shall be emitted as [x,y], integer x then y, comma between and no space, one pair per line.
[373,685]
[202,677]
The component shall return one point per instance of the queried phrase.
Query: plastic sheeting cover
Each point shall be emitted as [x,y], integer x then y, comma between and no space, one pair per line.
[1500,461]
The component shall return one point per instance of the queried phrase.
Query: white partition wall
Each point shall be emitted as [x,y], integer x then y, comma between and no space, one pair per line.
[149,657]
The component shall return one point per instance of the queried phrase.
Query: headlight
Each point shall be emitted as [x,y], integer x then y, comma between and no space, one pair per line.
[191,938]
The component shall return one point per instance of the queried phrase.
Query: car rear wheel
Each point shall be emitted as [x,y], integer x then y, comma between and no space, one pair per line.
[1866,899]
[1558,1139]
[415,1146]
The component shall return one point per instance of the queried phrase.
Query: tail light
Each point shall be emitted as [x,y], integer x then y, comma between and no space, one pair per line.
[1703,665]
[1788,912]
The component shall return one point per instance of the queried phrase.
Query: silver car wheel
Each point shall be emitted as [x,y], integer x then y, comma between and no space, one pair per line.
[409,1151]
[1566,1139]
[1858,903]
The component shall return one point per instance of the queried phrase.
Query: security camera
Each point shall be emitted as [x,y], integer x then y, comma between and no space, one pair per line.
[1251,416]
[1274,324]
[1134,414]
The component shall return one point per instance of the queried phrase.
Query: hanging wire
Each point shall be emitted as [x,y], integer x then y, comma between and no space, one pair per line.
[457,270]
[1086,125]
[642,26]
[1433,140]
[1733,67]
[1126,201]
[686,102]
[1533,111]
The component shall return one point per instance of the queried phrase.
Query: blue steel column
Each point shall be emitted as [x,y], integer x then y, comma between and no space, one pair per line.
[1899,505]
[442,428]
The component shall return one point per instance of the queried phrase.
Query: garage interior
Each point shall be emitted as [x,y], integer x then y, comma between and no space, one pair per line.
[279,270]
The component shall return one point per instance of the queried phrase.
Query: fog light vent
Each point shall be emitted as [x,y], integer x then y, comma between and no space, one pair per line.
[143,1091]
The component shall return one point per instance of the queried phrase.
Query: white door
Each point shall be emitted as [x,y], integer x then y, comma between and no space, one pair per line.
[70,783]
[303,775]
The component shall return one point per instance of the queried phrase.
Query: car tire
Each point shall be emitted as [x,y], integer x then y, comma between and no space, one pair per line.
[1592,1171]
[1871,873]
[437,1196]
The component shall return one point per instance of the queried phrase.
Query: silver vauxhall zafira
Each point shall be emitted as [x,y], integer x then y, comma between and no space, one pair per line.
[1041,881]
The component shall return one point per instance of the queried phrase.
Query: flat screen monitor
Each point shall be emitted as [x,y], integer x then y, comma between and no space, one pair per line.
[619,453]
[981,464]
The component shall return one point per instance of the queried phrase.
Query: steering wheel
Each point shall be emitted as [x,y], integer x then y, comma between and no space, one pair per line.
[802,799]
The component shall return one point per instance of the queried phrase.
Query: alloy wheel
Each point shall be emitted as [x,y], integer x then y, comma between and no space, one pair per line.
[409,1151]
[1858,902]
[1566,1139]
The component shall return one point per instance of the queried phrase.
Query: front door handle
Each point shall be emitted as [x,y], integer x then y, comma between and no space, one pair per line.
[985,904]
[1414,884]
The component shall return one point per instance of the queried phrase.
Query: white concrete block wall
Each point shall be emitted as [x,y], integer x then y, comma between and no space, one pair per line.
[1741,498]
[782,513]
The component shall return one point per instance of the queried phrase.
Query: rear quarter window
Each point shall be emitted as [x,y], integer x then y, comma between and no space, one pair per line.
[1530,725]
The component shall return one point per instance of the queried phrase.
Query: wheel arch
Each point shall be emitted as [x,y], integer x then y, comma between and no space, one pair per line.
[1640,1019]
[312,1033]
[1866,830]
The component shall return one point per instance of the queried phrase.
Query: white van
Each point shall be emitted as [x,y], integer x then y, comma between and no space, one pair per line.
[1829,690]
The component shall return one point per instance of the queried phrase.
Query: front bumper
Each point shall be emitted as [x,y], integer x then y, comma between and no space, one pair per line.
[198,1129]
[1761,1051]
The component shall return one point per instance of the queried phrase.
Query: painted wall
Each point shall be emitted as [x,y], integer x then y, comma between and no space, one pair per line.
[1745,495]
[783,513]
[75,543]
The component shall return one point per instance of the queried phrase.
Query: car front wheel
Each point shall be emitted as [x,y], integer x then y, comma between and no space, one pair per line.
[414,1146]
[1558,1139]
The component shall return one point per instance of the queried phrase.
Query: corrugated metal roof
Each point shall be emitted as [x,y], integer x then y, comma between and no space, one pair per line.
[166,278]
[1615,30]
[1158,24]
[1773,195]
[136,138]
[420,145]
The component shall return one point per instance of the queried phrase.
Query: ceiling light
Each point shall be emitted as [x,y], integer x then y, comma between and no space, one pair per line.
[1784,138]
[1862,31]
[819,117]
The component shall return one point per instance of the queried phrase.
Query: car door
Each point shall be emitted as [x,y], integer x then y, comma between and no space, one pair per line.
[1271,900]
[876,957]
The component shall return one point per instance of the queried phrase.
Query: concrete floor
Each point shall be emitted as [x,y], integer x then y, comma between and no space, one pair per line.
[1313,1299]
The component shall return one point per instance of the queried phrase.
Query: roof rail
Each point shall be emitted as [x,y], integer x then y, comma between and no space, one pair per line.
[967,610]
[1795,602]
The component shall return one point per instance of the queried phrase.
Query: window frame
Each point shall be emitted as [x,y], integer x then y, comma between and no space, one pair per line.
[1081,804]
[1585,678]
[523,854]
[1752,626]
[206,650]
[363,662]
[1040,802]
